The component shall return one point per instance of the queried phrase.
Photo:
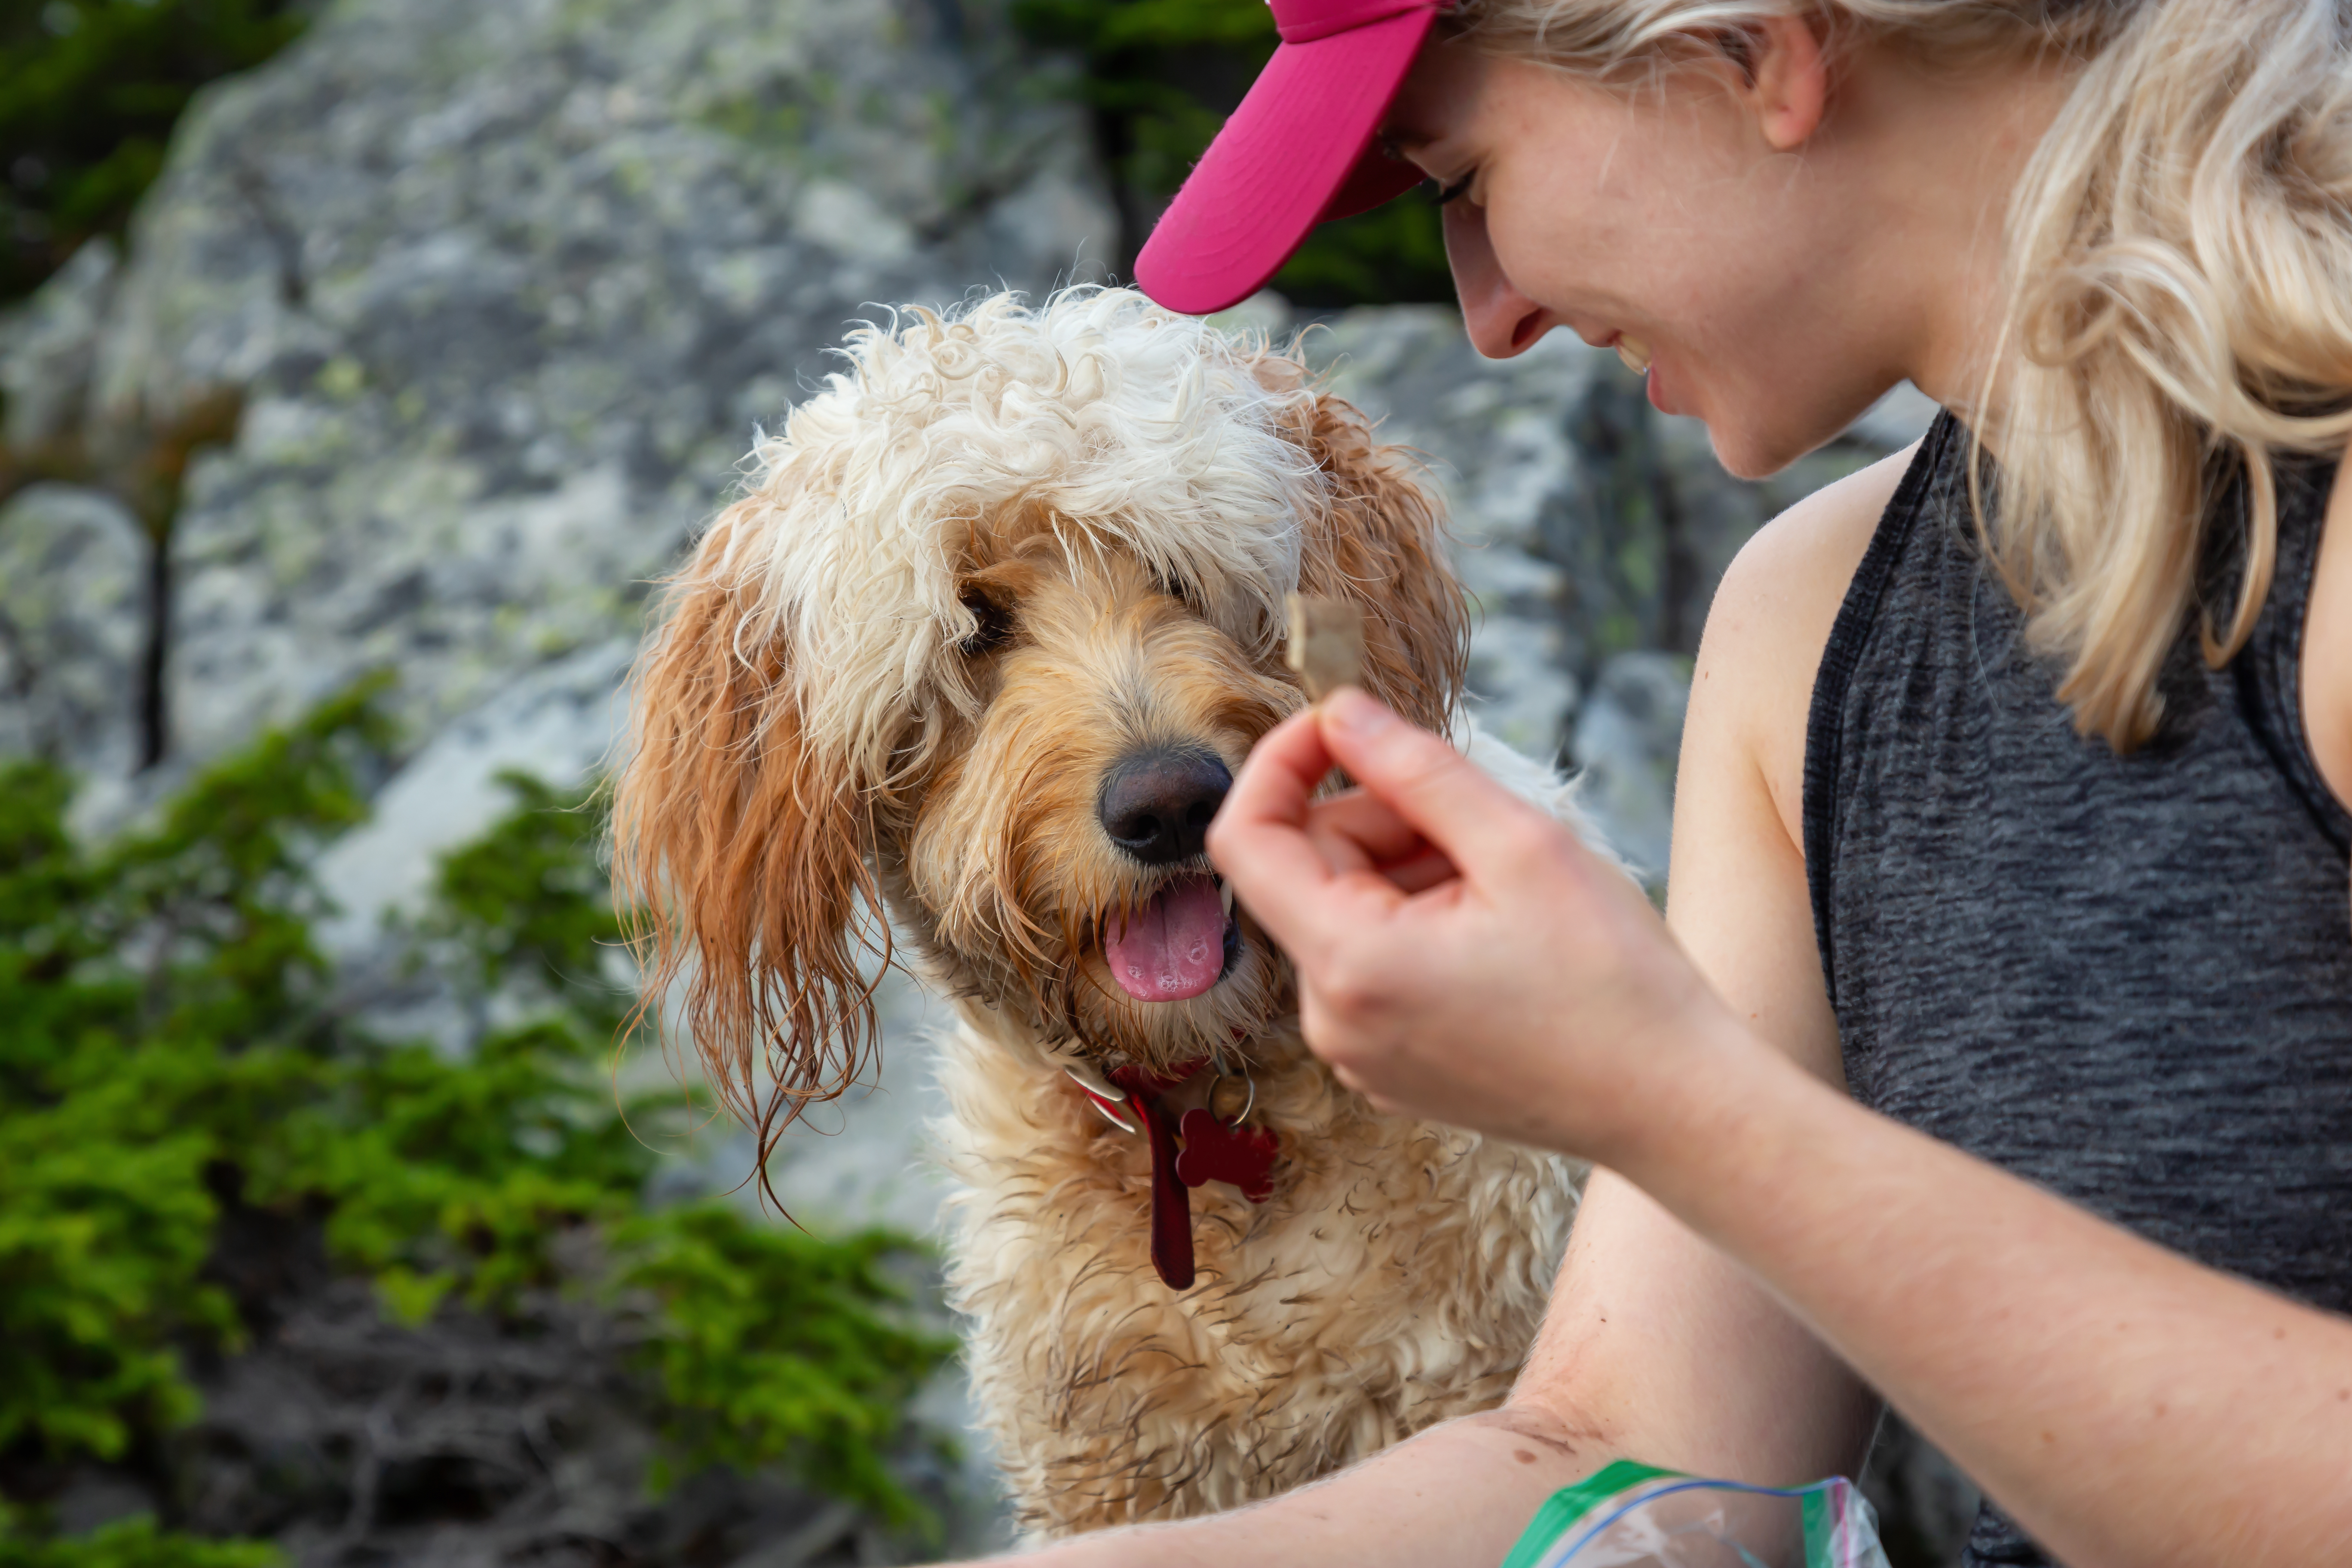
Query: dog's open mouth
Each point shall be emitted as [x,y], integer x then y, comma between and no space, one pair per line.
[1179,944]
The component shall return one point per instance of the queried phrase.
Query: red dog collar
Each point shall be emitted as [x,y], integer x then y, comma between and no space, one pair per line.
[1209,1151]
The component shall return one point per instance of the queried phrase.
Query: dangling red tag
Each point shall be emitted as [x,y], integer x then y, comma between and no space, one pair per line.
[1172,1205]
[1213,1151]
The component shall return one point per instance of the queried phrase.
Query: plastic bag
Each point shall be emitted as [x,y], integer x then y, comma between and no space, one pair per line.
[1638,1516]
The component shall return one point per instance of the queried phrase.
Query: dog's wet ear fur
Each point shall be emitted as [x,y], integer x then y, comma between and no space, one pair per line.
[741,855]
[1379,542]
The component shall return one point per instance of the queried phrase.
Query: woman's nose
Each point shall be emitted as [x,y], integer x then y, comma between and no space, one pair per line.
[1502,320]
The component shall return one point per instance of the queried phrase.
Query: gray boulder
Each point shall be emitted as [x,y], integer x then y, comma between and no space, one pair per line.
[73,629]
[1627,739]
[48,349]
[505,289]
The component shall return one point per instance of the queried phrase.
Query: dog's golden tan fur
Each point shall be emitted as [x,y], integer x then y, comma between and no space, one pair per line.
[1001,554]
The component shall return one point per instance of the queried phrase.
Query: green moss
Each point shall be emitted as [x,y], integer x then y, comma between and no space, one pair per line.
[762,122]
[342,378]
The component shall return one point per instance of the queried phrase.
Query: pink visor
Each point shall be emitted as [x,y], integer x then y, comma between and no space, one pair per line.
[1299,152]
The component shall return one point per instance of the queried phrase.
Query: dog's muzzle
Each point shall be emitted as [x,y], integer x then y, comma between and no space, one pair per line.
[1157,806]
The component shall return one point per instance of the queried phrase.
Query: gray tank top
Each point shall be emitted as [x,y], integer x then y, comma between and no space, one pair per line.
[2126,978]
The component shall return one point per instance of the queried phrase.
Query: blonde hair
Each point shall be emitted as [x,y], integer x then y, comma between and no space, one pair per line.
[2177,295]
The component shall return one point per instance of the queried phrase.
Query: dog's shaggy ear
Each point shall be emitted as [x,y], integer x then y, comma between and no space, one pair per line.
[1379,542]
[741,855]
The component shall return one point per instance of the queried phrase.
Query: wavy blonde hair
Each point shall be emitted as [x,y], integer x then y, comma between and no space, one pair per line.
[2178,291]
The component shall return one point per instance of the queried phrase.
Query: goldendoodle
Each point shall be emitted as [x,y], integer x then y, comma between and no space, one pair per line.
[981,646]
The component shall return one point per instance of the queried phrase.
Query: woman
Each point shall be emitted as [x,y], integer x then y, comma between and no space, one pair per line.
[2011,806]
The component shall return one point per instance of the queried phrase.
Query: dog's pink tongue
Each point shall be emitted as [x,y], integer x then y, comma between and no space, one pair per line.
[1174,947]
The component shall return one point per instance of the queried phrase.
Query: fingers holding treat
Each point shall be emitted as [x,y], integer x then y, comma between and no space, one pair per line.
[1355,831]
[1459,954]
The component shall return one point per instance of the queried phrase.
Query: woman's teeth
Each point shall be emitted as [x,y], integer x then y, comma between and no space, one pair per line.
[1634,352]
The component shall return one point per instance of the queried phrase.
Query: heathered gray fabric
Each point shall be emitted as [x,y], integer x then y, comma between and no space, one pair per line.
[2128,979]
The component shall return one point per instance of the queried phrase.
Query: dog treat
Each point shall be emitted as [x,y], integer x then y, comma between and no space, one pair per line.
[1327,643]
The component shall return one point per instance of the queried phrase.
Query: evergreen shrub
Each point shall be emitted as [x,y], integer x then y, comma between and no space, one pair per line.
[170,1046]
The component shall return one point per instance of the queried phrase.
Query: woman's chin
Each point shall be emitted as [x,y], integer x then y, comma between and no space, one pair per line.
[1741,456]
[1751,451]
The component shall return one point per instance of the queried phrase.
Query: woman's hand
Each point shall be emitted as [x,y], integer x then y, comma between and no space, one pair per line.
[1459,953]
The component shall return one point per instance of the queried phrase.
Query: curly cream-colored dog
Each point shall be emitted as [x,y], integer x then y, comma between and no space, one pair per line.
[982,646]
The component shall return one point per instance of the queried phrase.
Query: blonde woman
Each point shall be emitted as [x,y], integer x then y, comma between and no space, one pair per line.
[1995,1056]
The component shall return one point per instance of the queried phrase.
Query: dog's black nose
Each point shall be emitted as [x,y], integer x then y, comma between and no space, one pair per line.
[1157,804]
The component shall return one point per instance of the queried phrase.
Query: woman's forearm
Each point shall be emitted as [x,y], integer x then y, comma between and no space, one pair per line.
[2127,1406]
[1459,1493]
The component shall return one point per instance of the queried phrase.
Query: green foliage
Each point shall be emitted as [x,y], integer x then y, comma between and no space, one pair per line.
[130,1543]
[89,91]
[446,1173]
[123,977]
[1160,76]
[529,899]
[168,1045]
[778,1344]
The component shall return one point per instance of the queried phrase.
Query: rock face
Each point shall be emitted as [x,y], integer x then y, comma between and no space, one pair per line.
[443,331]
[505,289]
[48,349]
[73,618]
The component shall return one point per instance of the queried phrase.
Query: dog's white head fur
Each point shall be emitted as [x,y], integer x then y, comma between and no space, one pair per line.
[1134,429]
[997,554]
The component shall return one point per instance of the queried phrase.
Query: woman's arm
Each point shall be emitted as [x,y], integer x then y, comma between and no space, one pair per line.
[2126,1406]
[1740,1389]
[1656,1348]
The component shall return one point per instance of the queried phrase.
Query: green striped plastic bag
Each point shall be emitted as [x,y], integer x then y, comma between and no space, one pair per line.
[1638,1516]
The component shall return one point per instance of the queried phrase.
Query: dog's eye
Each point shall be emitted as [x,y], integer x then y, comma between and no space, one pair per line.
[995,627]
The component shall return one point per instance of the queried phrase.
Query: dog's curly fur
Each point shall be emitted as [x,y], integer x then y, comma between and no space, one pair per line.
[997,554]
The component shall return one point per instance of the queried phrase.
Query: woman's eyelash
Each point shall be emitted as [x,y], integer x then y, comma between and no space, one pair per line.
[1441,192]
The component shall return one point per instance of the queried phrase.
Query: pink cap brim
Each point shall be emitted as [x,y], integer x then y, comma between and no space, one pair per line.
[1297,151]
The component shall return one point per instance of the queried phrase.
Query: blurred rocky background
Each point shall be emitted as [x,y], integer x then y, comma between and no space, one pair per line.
[366,363]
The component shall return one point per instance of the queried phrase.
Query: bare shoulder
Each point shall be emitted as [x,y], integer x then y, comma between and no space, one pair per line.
[1753,685]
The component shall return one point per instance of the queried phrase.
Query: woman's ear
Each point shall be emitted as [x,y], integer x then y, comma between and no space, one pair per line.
[741,855]
[1786,80]
[1379,542]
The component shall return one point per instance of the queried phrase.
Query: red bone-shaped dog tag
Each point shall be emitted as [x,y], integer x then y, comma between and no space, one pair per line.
[1213,1153]
[1216,1153]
